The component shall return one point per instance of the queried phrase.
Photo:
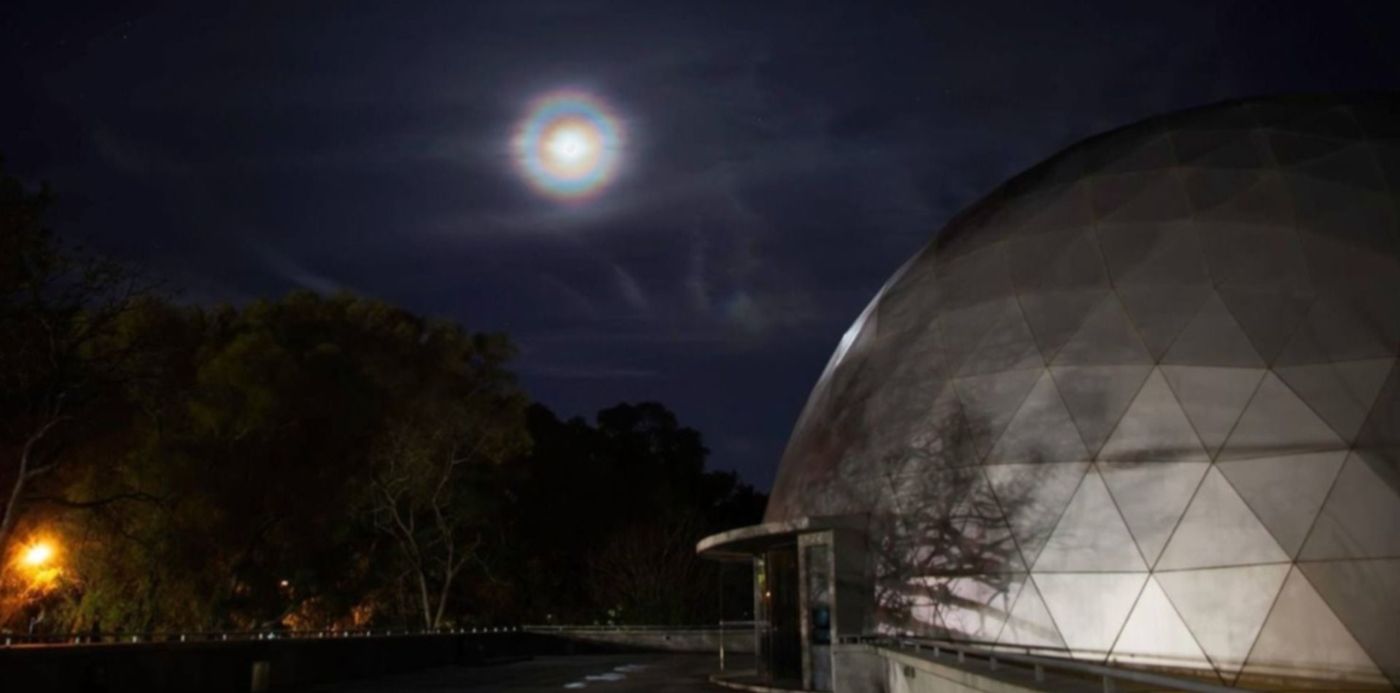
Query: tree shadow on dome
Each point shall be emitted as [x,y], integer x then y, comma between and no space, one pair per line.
[944,560]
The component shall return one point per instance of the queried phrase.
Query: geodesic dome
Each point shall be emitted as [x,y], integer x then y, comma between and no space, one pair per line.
[1141,403]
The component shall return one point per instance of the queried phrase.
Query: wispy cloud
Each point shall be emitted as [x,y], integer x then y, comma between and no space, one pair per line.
[290,270]
[630,289]
[572,372]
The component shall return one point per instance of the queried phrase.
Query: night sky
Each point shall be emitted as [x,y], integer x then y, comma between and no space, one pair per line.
[780,159]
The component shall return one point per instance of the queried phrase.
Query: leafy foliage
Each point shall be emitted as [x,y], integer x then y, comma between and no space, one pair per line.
[314,462]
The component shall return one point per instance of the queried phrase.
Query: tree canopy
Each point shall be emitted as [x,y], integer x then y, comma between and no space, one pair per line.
[317,462]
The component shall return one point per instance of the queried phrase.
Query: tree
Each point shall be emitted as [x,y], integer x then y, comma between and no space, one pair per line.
[317,461]
[59,306]
[649,573]
[637,550]
[432,486]
[263,442]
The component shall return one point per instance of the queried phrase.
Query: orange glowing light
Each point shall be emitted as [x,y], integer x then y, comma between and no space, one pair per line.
[37,555]
[37,560]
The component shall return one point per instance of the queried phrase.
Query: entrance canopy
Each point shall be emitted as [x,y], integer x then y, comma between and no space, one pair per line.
[744,543]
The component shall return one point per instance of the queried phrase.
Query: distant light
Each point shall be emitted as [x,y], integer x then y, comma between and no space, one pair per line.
[567,146]
[284,583]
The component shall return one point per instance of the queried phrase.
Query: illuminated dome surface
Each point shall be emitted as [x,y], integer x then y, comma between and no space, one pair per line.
[1141,403]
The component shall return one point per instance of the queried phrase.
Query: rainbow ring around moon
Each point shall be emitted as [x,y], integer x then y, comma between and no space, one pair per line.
[568,144]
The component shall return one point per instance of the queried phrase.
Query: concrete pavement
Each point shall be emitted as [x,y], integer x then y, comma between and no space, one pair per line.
[613,673]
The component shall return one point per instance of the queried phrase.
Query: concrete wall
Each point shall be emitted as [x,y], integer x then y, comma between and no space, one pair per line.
[217,667]
[228,667]
[858,669]
[681,640]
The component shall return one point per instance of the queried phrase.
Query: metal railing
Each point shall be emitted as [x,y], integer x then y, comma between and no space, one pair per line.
[1034,665]
[115,638]
[622,627]
[724,628]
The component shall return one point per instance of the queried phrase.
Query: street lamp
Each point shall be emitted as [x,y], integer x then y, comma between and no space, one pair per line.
[38,563]
[37,555]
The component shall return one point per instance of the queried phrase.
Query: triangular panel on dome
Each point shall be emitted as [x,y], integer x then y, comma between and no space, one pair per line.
[1213,338]
[913,282]
[1210,187]
[960,331]
[1007,345]
[1106,337]
[1091,535]
[1219,530]
[1097,396]
[1293,148]
[1152,497]
[971,608]
[1285,493]
[1089,608]
[1030,624]
[1032,497]
[1351,251]
[1379,440]
[1110,192]
[1219,149]
[1156,636]
[1154,429]
[1067,260]
[1056,316]
[1388,157]
[983,532]
[1049,208]
[1224,608]
[1161,312]
[942,439]
[1166,254]
[1277,422]
[1303,639]
[1341,393]
[1213,398]
[1362,595]
[1160,197]
[1379,120]
[1333,121]
[1267,200]
[975,278]
[1339,329]
[1261,256]
[1360,518]
[1275,115]
[1141,152]
[1269,318]
[1352,166]
[990,401]
[1041,431]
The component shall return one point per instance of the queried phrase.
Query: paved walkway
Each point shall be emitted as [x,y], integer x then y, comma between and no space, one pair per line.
[614,673]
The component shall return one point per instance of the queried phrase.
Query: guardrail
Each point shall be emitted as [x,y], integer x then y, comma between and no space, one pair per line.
[723,625]
[724,628]
[88,638]
[1036,665]
[55,639]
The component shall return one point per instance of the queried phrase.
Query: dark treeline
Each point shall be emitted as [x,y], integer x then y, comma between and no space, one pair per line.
[316,462]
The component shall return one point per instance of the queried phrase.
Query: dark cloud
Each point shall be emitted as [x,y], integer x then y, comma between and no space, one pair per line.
[782,159]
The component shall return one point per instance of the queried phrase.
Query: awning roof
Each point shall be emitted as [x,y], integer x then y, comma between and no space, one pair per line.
[745,542]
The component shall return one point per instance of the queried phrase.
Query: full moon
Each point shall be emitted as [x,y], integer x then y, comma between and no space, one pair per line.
[567,146]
